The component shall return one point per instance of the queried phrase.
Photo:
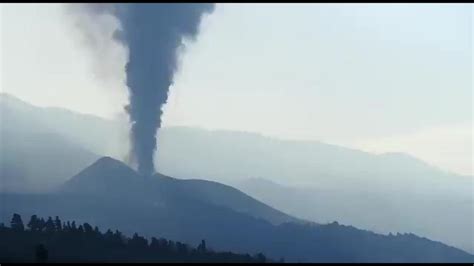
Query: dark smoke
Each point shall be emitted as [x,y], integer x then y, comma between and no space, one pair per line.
[153,34]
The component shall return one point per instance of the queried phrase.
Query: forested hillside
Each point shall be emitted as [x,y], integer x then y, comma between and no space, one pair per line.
[51,240]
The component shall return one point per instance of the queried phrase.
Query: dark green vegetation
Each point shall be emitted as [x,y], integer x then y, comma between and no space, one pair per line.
[52,240]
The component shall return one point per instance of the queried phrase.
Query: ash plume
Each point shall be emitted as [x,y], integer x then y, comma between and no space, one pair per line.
[153,34]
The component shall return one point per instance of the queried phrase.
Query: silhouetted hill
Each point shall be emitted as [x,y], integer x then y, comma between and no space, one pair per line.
[109,194]
[109,177]
[105,177]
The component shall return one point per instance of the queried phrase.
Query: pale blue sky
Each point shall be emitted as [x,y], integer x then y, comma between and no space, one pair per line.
[379,77]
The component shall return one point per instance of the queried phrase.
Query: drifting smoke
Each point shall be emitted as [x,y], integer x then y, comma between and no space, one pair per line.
[153,34]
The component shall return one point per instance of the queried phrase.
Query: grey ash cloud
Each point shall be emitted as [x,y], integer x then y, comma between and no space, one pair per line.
[153,34]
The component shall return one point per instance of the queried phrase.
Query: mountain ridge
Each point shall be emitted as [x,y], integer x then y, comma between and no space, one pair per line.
[192,153]
[12,99]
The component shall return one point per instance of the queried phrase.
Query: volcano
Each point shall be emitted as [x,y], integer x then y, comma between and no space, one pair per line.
[110,178]
[110,194]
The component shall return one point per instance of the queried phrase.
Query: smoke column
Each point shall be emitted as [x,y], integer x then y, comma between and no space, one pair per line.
[153,33]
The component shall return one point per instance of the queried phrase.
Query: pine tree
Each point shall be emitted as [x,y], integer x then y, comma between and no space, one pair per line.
[109,236]
[16,223]
[33,224]
[57,224]
[49,225]
[118,237]
[68,226]
[41,224]
[154,244]
[138,242]
[88,228]
[202,247]
[65,228]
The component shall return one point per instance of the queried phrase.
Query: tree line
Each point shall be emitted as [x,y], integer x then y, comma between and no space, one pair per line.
[52,240]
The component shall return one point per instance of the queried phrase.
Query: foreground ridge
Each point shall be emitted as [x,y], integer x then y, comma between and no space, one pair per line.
[52,240]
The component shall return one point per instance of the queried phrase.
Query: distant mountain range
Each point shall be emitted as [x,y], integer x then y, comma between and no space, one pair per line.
[33,155]
[43,147]
[110,194]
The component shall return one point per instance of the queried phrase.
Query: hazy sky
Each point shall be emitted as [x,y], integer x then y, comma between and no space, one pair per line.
[379,77]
